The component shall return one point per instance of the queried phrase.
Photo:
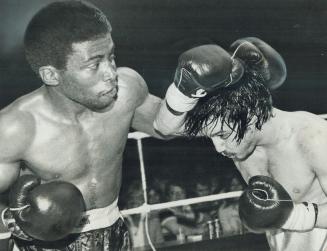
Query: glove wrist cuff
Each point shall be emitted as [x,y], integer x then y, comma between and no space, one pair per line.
[302,218]
[178,101]
[9,222]
[5,235]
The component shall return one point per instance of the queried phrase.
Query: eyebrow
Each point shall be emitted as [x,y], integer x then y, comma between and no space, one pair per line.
[94,58]
[100,56]
[218,133]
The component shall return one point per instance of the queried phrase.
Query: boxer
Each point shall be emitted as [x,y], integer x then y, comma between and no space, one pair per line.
[282,155]
[73,129]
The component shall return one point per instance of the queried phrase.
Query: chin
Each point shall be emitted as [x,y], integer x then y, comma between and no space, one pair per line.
[103,107]
[243,155]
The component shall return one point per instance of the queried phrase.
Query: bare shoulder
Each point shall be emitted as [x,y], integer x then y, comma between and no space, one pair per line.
[309,124]
[132,86]
[312,132]
[17,127]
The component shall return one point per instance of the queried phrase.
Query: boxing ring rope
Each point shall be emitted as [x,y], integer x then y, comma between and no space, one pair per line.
[178,203]
[138,136]
[146,208]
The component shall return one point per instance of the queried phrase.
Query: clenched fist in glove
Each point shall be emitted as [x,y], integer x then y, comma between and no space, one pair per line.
[260,58]
[266,205]
[47,211]
[201,70]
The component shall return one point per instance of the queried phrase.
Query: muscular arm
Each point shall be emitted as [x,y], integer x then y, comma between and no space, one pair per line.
[316,152]
[145,115]
[322,212]
[147,105]
[15,136]
[320,169]
[168,121]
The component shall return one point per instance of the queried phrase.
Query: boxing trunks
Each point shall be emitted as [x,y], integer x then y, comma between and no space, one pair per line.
[101,229]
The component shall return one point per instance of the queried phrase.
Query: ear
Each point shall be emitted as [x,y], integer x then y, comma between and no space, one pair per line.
[49,75]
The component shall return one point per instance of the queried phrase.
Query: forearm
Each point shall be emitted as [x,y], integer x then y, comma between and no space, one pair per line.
[169,122]
[184,214]
[172,112]
[322,216]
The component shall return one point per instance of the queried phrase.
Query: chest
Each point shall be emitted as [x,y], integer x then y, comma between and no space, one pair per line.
[288,166]
[73,150]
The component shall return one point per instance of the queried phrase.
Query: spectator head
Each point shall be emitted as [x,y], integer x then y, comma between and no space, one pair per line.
[202,187]
[175,191]
[153,196]
[134,195]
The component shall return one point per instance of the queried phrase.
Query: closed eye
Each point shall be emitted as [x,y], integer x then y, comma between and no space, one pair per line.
[93,66]
[222,135]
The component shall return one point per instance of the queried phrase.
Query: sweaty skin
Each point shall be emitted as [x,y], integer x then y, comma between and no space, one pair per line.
[75,127]
[291,148]
[287,148]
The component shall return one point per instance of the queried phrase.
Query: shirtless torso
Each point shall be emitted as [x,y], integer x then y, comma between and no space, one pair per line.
[86,151]
[293,158]
[291,149]
[261,140]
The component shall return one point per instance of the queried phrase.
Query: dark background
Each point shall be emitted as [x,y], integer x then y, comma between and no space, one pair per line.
[149,36]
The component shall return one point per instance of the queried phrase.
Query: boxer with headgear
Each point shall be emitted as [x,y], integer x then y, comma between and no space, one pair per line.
[70,135]
[280,154]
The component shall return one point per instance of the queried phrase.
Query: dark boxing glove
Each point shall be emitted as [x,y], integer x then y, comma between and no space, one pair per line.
[266,205]
[201,70]
[47,211]
[261,58]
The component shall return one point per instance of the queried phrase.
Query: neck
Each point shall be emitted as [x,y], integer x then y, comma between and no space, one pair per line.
[276,130]
[66,107]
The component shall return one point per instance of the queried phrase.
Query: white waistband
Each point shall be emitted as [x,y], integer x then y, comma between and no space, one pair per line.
[99,218]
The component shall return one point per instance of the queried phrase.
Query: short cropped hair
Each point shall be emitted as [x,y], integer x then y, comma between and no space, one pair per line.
[53,29]
[234,106]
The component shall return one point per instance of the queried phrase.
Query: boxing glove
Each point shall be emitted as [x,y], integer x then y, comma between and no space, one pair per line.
[201,70]
[46,212]
[261,58]
[266,205]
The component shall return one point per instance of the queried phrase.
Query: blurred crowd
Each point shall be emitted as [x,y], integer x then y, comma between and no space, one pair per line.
[198,221]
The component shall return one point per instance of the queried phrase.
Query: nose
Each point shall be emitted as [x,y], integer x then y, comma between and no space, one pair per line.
[109,71]
[219,144]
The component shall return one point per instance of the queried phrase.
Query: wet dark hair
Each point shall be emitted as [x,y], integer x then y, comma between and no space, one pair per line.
[53,29]
[236,106]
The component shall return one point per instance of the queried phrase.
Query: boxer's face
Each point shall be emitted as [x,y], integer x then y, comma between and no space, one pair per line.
[226,144]
[90,77]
